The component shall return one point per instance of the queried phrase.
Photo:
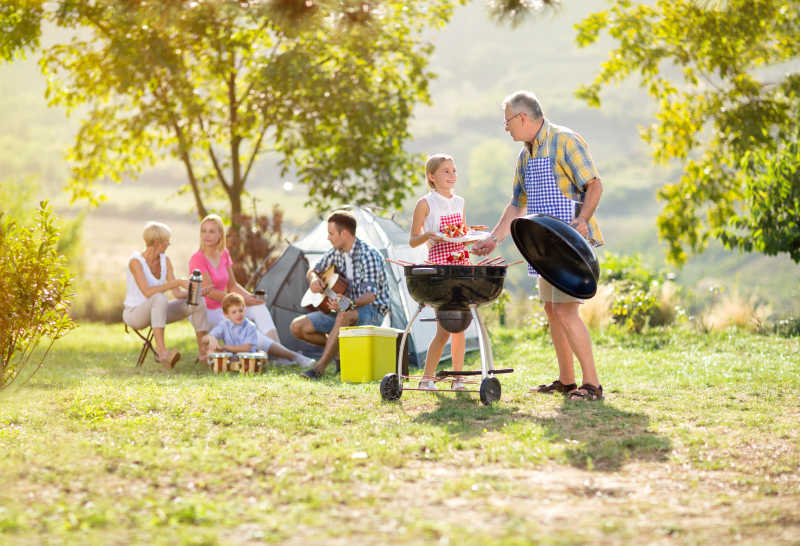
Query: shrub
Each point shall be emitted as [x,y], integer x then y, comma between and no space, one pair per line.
[641,297]
[632,307]
[628,269]
[789,327]
[18,201]
[35,284]
[254,243]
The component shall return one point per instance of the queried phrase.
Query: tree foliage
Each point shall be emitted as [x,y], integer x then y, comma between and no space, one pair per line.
[328,86]
[35,284]
[20,27]
[516,12]
[723,106]
[772,201]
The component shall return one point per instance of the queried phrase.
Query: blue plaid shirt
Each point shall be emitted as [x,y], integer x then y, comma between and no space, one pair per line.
[236,334]
[368,270]
[572,167]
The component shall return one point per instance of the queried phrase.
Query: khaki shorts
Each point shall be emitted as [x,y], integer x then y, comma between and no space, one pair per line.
[548,292]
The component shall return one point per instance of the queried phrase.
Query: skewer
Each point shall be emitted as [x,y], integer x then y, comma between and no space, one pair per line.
[496,261]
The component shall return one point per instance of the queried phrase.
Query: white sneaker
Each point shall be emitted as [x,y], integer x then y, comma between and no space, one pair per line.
[304,361]
[459,385]
[283,362]
[427,384]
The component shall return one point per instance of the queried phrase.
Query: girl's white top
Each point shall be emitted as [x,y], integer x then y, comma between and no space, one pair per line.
[134,296]
[441,206]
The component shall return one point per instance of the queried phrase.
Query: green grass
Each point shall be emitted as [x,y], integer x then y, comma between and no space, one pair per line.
[697,442]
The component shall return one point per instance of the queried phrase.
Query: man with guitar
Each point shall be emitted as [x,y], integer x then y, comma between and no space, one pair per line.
[365,299]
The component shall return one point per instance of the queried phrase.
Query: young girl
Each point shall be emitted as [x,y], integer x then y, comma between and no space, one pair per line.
[435,210]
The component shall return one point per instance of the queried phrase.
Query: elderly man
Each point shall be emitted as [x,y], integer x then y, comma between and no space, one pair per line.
[554,175]
[367,295]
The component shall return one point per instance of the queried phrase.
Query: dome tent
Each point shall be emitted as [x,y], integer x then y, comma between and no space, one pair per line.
[285,283]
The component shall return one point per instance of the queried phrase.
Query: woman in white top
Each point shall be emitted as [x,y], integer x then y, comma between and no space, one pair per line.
[150,276]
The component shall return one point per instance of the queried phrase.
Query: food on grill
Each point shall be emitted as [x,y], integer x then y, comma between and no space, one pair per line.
[458,256]
[497,261]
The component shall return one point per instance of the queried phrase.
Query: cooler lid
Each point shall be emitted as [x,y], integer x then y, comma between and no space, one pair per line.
[361,331]
[558,253]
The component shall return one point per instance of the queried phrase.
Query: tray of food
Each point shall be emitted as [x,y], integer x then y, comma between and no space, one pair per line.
[461,233]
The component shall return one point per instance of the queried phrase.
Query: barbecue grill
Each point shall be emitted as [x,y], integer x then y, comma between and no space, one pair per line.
[455,292]
[558,252]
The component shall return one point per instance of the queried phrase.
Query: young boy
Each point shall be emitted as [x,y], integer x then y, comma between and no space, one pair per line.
[239,335]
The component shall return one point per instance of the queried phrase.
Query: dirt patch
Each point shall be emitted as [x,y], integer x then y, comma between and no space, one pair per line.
[651,502]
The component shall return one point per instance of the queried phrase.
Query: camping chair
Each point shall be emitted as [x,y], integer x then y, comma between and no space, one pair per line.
[146,346]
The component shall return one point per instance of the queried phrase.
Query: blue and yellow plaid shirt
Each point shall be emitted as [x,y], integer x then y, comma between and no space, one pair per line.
[571,163]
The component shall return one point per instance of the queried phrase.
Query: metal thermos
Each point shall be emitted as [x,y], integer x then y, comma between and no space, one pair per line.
[195,283]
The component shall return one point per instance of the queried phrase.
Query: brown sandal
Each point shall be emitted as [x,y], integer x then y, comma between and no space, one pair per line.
[555,386]
[587,392]
[170,360]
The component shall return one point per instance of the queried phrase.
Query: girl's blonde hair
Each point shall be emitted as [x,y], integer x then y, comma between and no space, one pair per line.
[220,226]
[156,232]
[433,163]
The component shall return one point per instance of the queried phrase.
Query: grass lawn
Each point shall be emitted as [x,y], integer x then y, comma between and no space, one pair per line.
[698,441]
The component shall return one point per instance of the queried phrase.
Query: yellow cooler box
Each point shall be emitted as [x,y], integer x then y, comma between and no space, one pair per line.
[367,353]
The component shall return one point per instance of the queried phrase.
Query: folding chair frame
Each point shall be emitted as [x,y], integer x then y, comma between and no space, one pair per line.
[146,346]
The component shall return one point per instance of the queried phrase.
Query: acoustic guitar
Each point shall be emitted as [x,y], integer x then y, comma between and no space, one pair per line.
[335,286]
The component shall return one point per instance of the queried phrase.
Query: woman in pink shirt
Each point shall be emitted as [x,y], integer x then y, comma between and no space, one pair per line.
[214,262]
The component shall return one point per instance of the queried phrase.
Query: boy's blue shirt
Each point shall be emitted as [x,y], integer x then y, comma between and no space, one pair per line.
[232,334]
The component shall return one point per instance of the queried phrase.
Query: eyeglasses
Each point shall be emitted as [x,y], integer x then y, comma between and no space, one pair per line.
[509,120]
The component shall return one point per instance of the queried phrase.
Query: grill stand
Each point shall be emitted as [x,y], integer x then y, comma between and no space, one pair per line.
[392,384]
[487,358]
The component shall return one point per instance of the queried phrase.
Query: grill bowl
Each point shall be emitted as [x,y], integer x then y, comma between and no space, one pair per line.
[454,286]
[454,320]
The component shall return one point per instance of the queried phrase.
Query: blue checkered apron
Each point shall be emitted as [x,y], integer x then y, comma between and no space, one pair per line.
[544,195]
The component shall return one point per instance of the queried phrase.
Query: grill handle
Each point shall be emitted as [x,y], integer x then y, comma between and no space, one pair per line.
[423,271]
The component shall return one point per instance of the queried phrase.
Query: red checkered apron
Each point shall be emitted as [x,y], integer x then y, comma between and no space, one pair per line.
[442,252]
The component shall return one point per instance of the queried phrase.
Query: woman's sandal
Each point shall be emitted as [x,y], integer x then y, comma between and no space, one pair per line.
[587,392]
[555,386]
[172,358]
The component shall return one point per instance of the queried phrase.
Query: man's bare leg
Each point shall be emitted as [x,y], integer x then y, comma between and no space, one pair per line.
[566,365]
[303,329]
[578,338]
[331,349]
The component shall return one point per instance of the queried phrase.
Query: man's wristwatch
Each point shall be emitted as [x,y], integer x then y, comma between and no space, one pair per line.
[494,238]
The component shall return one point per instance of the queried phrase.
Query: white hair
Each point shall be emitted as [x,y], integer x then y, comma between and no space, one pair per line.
[524,102]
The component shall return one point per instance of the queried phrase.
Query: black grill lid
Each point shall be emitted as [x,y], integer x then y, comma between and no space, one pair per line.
[558,252]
